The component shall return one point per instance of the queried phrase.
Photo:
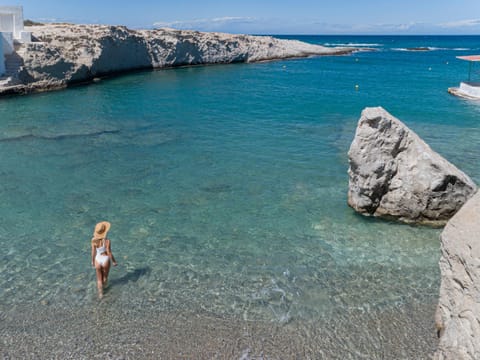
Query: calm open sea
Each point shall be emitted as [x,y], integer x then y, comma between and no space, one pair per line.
[226,189]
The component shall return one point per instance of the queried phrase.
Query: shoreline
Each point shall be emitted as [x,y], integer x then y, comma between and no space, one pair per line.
[99,331]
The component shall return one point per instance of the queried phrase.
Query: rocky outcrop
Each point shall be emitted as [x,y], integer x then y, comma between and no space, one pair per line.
[458,312]
[395,174]
[63,54]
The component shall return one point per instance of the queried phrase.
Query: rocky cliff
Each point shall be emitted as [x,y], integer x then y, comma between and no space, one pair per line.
[458,312]
[395,174]
[63,54]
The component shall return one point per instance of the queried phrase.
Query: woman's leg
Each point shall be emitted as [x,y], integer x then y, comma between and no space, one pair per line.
[98,270]
[106,270]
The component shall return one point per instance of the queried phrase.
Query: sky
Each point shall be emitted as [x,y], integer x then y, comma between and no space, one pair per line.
[399,17]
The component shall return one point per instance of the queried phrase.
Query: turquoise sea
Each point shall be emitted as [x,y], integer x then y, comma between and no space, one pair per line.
[226,189]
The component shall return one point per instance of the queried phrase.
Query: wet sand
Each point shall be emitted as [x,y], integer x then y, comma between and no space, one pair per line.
[48,332]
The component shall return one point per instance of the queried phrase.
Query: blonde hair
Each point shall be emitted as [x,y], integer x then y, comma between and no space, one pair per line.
[97,241]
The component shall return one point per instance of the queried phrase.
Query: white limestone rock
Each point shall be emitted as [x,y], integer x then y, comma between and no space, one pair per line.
[62,54]
[458,312]
[395,174]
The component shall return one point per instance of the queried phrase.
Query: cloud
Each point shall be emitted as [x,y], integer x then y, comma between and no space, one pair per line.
[380,28]
[461,23]
[283,26]
[48,20]
[220,23]
[410,27]
[252,25]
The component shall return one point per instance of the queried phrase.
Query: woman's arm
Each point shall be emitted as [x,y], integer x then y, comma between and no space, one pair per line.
[109,252]
[93,255]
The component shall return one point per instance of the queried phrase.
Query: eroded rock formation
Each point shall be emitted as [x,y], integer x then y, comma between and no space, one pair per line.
[62,54]
[395,174]
[458,312]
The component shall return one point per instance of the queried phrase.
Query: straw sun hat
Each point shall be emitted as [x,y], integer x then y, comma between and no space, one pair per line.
[101,230]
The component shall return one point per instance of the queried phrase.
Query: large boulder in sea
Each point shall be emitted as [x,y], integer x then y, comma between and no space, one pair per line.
[395,174]
[458,313]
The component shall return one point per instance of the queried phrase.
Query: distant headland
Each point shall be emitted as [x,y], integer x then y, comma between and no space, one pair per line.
[60,55]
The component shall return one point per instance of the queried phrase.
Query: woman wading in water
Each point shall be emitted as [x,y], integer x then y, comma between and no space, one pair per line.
[102,255]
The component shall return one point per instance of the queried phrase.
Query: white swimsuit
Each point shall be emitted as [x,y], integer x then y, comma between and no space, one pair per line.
[102,257]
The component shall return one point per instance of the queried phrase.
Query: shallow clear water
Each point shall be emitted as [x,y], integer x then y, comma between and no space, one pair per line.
[226,185]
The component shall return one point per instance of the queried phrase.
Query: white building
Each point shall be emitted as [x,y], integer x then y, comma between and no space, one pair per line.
[11,32]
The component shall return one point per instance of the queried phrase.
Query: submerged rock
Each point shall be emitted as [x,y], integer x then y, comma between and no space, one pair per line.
[458,312]
[419,49]
[395,174]
[63,54]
